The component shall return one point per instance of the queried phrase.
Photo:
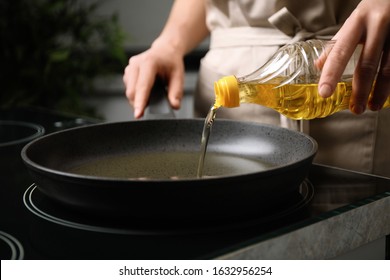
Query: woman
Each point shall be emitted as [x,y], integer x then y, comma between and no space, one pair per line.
[245,33]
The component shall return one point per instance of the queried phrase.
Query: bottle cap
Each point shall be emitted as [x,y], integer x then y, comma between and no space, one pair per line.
[226,92]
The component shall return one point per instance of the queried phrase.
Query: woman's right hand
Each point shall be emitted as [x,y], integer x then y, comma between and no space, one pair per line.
[139,76]
[369,24]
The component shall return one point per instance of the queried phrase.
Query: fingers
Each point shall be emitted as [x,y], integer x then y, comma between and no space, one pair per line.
[337,59]
[369,24]
[368,65]
[334,67]
[130,75]
[144,84]
[129,79]
[138,79]
[320,61]
[382,85]
[140,75]
[365,73]
[175,89]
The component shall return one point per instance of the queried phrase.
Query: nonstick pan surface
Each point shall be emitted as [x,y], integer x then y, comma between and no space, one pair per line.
[148,168]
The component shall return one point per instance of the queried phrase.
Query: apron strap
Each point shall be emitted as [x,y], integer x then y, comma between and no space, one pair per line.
[287,23]
[247,36]
[286,30]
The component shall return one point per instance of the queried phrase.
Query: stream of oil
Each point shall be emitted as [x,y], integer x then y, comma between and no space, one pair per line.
[208,124]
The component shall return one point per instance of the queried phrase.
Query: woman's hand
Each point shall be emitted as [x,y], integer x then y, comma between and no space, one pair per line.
[368,24]
[184,30]
[140,74]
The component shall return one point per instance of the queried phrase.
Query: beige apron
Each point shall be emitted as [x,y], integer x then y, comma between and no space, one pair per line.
[345,140]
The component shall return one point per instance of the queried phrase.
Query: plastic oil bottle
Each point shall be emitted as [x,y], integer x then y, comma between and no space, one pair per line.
[288,83]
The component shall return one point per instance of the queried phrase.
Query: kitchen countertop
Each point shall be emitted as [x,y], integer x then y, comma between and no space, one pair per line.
[328,236]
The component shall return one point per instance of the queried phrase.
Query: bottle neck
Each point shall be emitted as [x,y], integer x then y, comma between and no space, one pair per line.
[226,92]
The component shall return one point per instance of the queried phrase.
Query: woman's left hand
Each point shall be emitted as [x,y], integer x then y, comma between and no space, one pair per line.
[368,24]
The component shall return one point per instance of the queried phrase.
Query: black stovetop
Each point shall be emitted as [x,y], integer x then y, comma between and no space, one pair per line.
[56,233]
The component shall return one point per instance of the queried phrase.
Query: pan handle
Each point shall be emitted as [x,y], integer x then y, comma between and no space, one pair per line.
[158,106]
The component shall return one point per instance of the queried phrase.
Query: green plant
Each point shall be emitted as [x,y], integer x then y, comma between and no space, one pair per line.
[52,50]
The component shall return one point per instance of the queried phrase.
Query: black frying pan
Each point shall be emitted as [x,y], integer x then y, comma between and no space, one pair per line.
[249,166]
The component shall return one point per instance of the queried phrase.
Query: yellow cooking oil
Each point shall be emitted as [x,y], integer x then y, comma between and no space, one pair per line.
[296,101]
[207,126]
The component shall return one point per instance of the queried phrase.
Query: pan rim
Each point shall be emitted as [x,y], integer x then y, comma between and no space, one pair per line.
[100,180]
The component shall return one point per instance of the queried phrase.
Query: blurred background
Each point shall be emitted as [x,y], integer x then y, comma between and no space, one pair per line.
[69,55]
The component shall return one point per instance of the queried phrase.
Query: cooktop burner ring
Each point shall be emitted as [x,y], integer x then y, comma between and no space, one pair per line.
[14,246]
[32,197]
[25,132]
